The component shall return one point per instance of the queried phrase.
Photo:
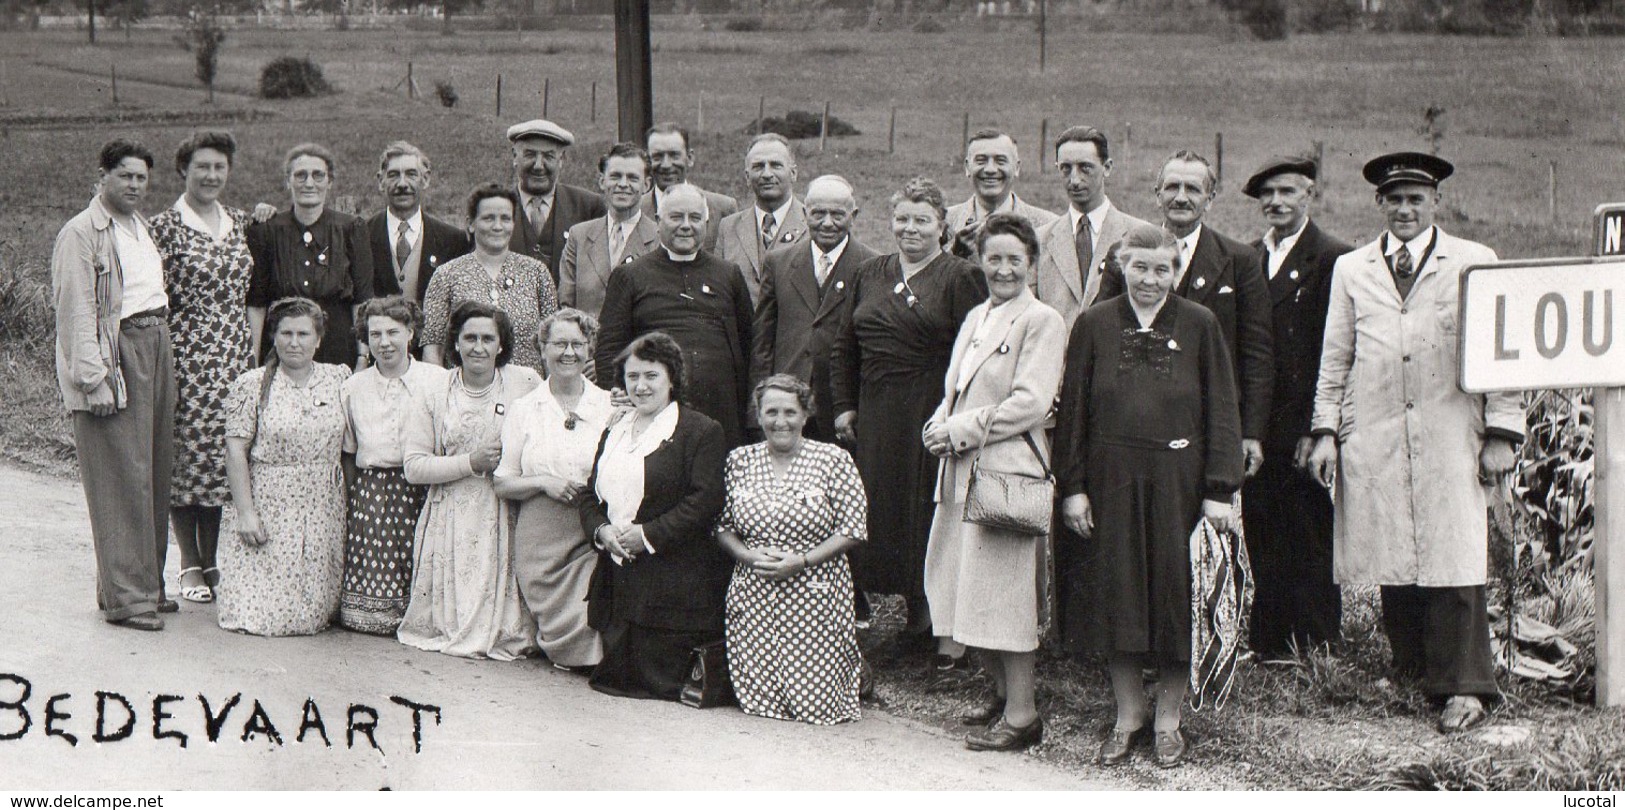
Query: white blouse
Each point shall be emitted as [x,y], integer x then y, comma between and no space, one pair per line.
[620,469]
[541,438]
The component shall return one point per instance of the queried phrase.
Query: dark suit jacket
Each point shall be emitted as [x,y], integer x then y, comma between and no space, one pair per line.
[441,243]
[1225,276]
[1299,294]
[681,585]
[796,321]
[571,204]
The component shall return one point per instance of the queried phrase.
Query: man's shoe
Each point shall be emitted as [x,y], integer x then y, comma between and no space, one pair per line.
[1002,736]
[985,714]
[1119,744]
[142,621]
[1461,712]
[1170,748]
[168,606]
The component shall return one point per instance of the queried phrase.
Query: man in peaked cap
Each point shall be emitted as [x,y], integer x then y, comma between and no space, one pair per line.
[548,207]
[1288,514]
[1410,452]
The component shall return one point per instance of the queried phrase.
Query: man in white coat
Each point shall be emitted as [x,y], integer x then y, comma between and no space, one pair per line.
[1411,453]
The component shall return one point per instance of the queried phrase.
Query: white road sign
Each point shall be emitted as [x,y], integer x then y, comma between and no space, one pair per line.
[1543,324]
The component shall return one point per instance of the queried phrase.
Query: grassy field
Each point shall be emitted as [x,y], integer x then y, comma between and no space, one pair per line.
[1512,109]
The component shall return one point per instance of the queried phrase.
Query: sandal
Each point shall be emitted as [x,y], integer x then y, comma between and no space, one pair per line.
[196,593]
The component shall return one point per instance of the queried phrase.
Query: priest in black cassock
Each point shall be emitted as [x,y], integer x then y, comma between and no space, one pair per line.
[694,296]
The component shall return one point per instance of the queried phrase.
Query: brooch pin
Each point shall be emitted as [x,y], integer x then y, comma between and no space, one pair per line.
[1004,348]
[1200,283]
[507,282]
[1173,345]
[1293,275]
[307,237]
[840,285]
[787,238]
[433,261]
[321,258]
[501,410]
[571,421]
[1179,444]
[1225,289]
[706,288]
[911,300]
[898,290]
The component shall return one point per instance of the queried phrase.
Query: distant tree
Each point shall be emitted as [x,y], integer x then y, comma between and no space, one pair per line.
[125,12]
[203,37]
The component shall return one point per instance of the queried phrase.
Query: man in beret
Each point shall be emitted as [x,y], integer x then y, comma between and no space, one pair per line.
[1409,451]
[672,159]
[1287,513]
[1223,275]
[548,207]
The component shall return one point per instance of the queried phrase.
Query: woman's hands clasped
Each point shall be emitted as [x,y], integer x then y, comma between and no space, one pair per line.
[937,440]
[776,564]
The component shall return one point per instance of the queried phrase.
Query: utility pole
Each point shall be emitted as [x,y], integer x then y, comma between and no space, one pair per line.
[633,82]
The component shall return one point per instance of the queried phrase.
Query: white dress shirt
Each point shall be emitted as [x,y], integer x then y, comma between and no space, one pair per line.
[414,232]
[1278,250]
[834,258]
[778,216]
[620,467]
[1187,249]
[143,269]
[1097,220]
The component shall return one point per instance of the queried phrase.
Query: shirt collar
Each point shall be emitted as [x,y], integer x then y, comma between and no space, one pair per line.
[1190,239]
[1417,246]
[1286,243]
[631,222]
[524,198]
[679,257]
[834,254]
[414,225]
[1009,204]
[1097,215]
[778,214]
[194,220]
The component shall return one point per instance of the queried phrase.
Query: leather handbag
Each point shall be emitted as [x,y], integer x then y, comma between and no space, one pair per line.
[1011,501]
[708,684]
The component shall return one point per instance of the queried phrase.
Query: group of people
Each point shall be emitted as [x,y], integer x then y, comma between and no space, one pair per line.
[625,429]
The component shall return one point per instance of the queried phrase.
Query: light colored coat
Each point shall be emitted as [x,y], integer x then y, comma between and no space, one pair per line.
[87,285]
[1017,372]
[741,242]
[961,214]
[584,269]
[1410,509]
[1058,281]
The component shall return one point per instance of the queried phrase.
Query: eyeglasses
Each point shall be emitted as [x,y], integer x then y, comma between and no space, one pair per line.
[568,345]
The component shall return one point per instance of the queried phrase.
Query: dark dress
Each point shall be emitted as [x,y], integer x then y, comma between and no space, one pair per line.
[329,262]
[652,611]
[705,307]
[888,365]
[1149,427]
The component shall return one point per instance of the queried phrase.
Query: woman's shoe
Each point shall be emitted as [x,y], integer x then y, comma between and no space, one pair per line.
[985,714]
[1119,744]
[202,594]
[1170,748]
[1002,736]
[942,662]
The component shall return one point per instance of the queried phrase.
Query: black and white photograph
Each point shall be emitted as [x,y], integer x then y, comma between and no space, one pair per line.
[922,396]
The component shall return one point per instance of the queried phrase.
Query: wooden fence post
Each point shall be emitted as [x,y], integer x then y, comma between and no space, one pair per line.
[593,114]
[1128,142]
[545,95]
[1043,144]
[1551,190]
[891,132]
[823,128]
[113,70]
[761,113]
[1218,157]
[699,113]
[499,95]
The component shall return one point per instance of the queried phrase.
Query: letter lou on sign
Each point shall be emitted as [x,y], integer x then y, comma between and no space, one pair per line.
[1543,324]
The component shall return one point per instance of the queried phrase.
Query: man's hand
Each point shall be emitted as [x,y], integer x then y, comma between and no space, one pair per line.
[262,212]
[1252,452]
[101,400]
[1077,516]
[1496,461]
[846,427]
[1221,514]
[1300,454]
[1323,460]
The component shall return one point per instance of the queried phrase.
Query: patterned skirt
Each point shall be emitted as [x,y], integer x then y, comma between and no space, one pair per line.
[384,511]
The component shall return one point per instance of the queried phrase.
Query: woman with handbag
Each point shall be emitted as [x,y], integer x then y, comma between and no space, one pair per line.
[650,507]
[1147,446]
[985,561]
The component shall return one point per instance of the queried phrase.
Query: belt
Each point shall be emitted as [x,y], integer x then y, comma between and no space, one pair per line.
[1142,443]
[143,320]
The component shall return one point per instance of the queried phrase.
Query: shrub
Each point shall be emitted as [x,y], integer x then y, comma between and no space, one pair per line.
[1324,16]
[290,77]
[446,93]
[797,124]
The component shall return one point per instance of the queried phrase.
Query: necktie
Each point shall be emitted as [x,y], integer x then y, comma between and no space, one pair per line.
[823,268]
[537,208]
[403,250]
[767,230]
[617,243]
[1085,241]
[1402,263]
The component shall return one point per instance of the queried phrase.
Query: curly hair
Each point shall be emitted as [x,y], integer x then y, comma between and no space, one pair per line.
[115,151]
[217,140]
[789,384]
[924,190]
[656,347]
[491,191]
[397,308]
[583,321]
[469,310]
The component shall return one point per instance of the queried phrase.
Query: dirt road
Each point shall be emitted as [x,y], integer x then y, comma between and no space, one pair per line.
[307,705]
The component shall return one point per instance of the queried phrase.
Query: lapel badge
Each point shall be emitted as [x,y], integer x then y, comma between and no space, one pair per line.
[1293,275]
[787,237]
[433,261]
[898,290]
[507,281]
[627,259]
[307,237]
[706,288]
[1200,283]
[840,285]
[321,258]
[1004,348]
[1225,289]
[1173,345]
[501,410]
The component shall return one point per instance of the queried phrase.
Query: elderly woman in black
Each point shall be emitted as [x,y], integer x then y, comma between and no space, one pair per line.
[313,252]
[1148,445]
[654,497]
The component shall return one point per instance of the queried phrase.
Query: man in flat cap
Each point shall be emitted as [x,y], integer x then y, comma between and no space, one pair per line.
[548,207]
[1288,514]
[1223,275]
[1410,452]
